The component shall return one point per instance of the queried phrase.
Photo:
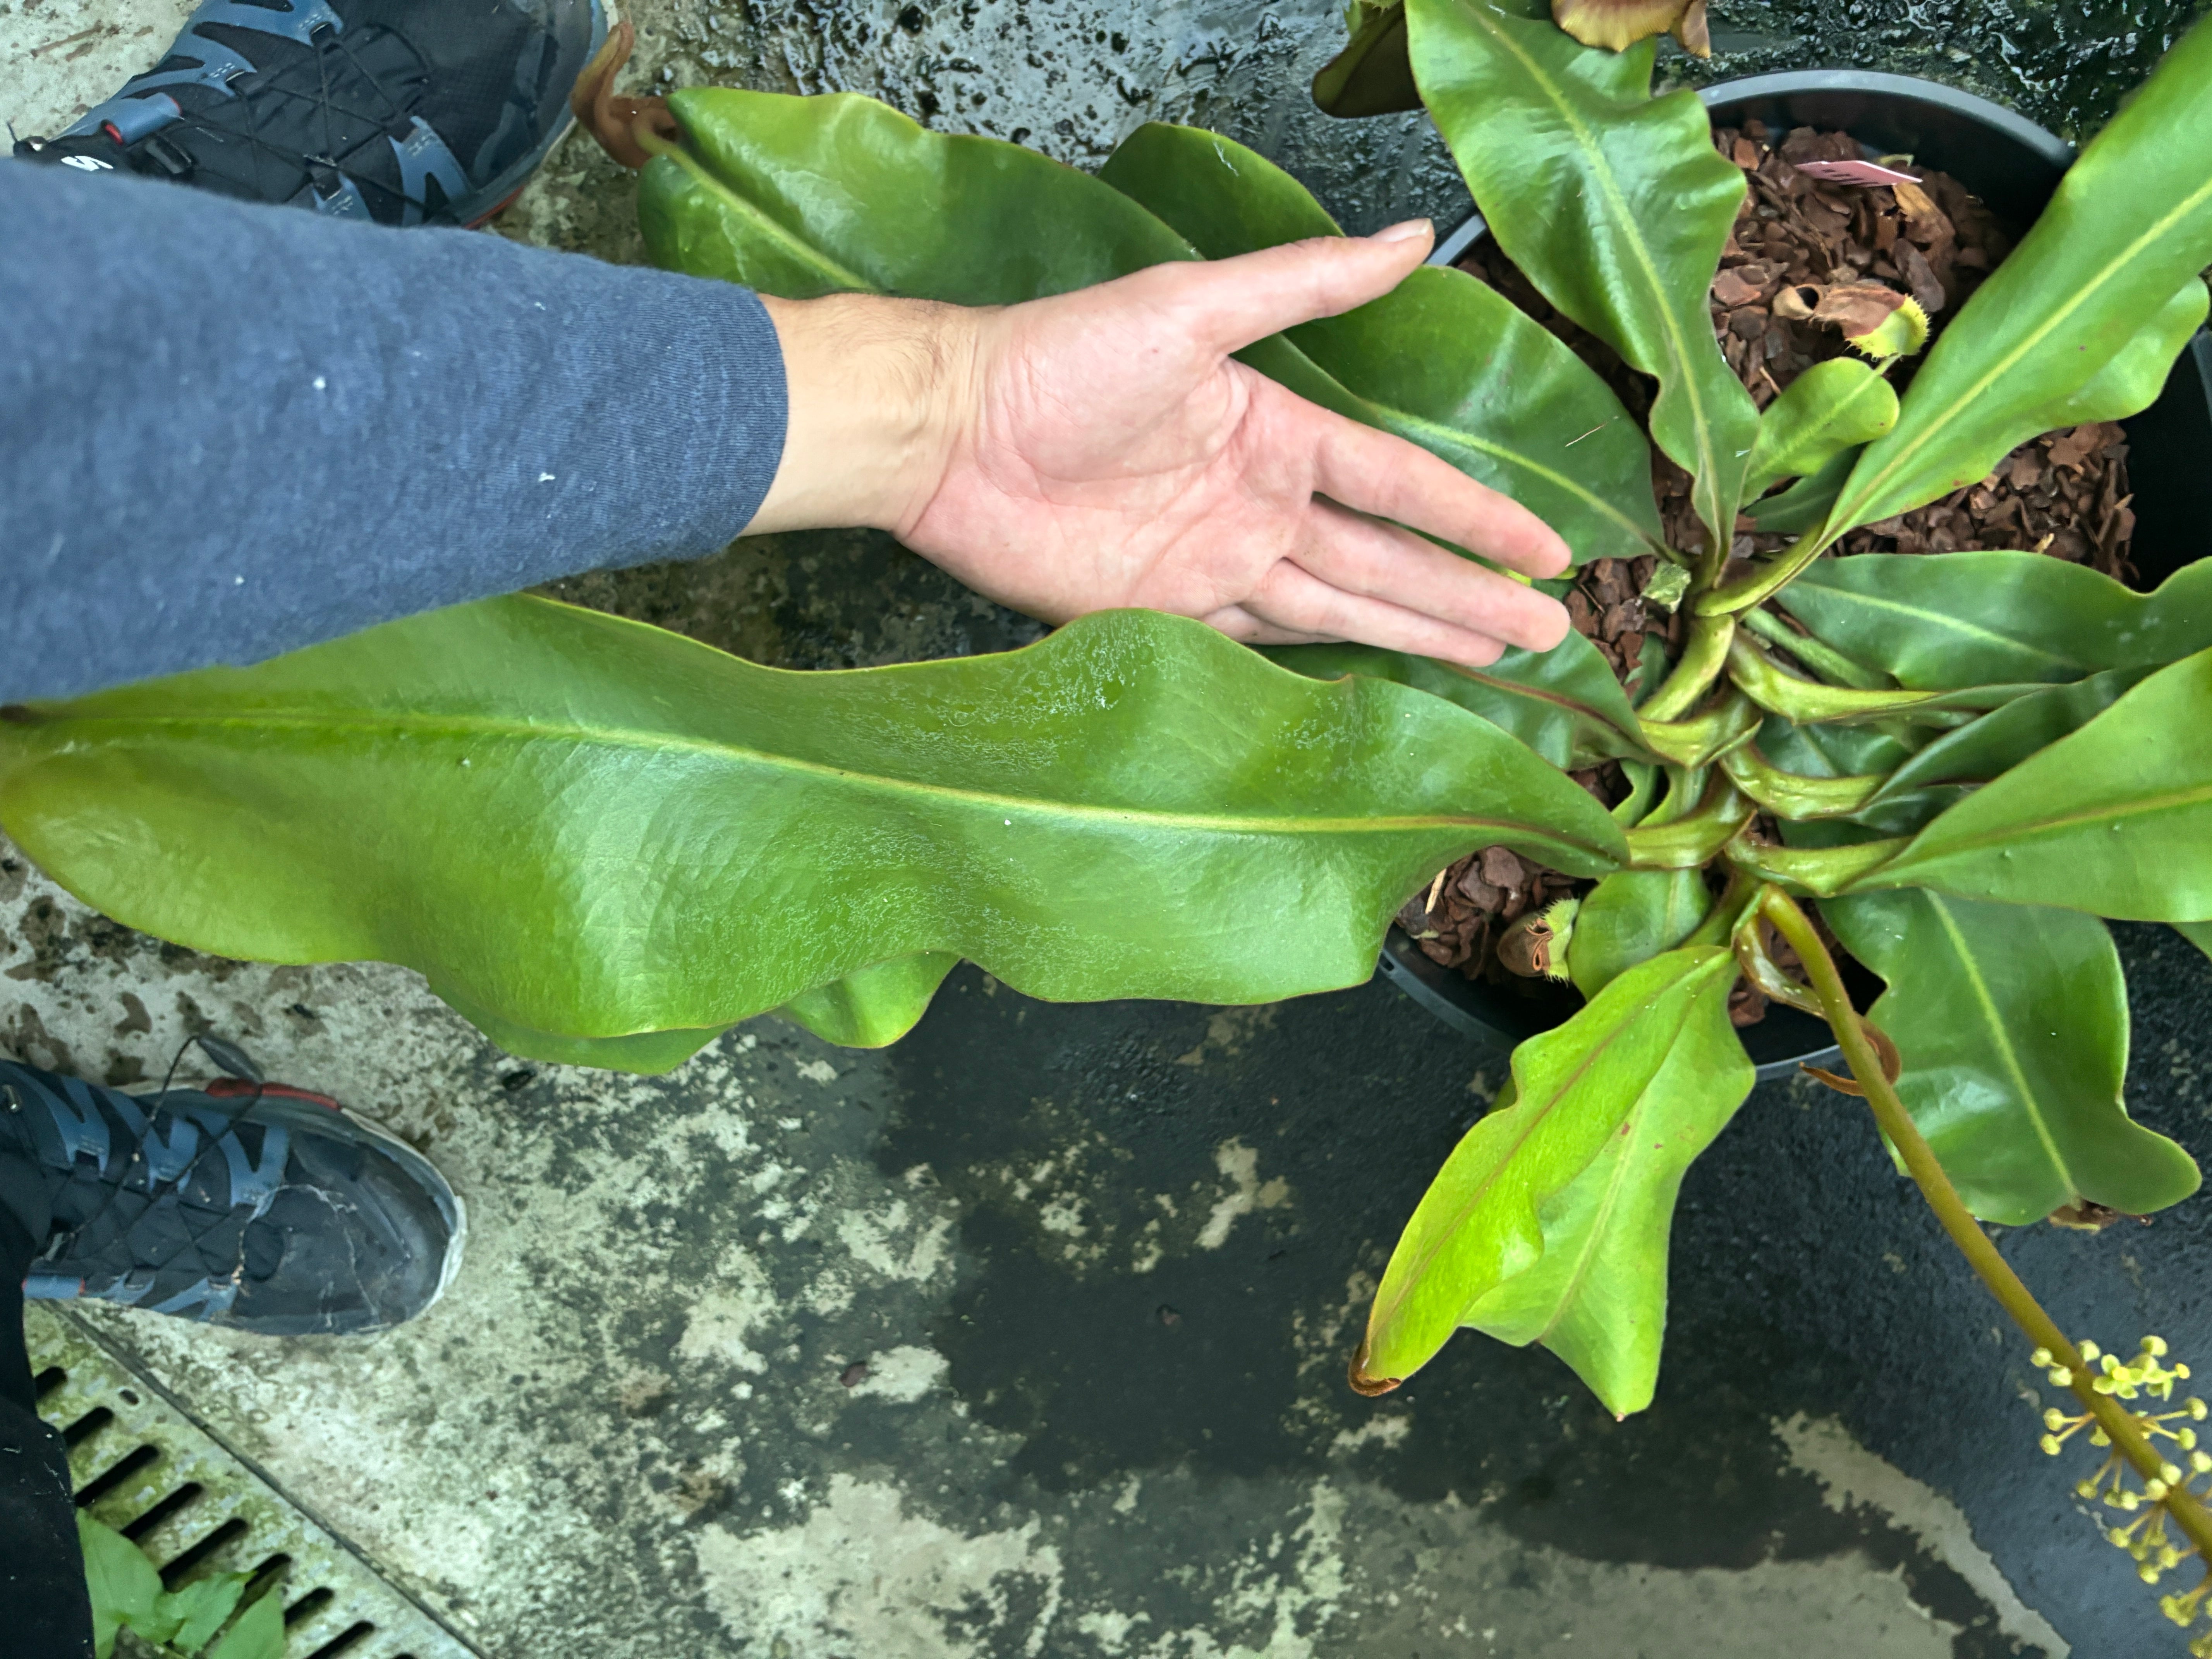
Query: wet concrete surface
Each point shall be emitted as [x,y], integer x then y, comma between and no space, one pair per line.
[1027,1336]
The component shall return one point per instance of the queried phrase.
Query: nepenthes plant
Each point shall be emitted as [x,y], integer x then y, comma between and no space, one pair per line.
[606,844]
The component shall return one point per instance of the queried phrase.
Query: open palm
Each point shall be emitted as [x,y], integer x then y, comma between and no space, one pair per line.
[1107,450]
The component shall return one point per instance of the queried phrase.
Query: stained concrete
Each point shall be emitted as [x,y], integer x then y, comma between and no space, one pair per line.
[1026,1337]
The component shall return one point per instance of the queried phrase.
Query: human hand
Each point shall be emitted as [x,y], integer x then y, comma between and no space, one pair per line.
[1102,448]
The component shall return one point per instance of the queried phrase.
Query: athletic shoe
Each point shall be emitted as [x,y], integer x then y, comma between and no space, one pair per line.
[237,1203]
[403,112]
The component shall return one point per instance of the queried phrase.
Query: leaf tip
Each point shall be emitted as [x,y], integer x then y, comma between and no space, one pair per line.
[1362,1384]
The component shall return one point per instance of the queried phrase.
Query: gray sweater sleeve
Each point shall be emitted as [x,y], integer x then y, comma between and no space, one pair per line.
[227,431]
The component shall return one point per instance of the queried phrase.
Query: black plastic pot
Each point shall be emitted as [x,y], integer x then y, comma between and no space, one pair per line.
[2013,165]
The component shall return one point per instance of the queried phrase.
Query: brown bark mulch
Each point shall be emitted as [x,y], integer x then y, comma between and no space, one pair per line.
[1796,239]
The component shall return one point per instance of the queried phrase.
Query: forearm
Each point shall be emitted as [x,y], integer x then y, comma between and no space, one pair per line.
[880,389]
[227,431]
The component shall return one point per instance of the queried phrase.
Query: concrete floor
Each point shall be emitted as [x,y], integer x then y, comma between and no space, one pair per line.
[1026,1337]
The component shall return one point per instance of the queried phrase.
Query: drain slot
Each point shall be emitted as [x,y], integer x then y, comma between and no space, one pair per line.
[139,1465]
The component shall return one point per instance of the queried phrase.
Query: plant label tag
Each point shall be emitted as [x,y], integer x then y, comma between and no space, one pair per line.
[1855,172]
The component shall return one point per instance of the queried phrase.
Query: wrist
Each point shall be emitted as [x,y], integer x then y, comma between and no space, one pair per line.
[878,392]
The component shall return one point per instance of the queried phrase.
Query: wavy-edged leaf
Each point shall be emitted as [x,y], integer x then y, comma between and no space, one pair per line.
[647,1053]
[1371,75]
[1597,1295]
[2114,819]
[1614,203]
[1505,400]
[2000,739]
[1631,917]
[2121,241]
[582,825]
[1573,1087]
[1831,408]
[1564,703]
[873,1006]
[1965,619]
[2013,1022]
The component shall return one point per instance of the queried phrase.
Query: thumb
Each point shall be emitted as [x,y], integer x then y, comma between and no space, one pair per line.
[1227,304]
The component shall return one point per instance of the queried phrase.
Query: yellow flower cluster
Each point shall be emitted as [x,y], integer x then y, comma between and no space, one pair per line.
[2145,1539]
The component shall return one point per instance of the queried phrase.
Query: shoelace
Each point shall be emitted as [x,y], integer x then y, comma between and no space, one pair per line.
[326,103]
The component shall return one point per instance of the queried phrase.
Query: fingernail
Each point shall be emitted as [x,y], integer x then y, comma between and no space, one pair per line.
[1405,231]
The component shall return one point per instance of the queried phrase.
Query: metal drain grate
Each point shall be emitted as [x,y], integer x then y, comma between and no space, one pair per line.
[144,1467]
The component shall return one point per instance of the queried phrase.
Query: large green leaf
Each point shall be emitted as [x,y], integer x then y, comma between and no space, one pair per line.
[2114,819]
[802,197]
[2003,738]
[1965,619]
[1597,1295]
[1631,917]
[585,826]
[1477,1225]
[1564,703]
[1613,203]
[1505,400]
[2012,1020]
[2114,255]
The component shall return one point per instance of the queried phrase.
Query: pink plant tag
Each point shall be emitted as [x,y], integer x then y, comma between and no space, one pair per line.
[1855,172]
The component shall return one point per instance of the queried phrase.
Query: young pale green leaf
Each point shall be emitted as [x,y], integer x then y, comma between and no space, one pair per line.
[1968,619]
[1614,203]
[124,1586]
[1564,703]
[1371,75]
[1801,507]
[2114,819]
[1631,917]
[258,1633]
[202,1608]
[2003,738]
[1573,1087]
[1829,409]
[1597,1295]
[1806,701]
[873,1006]
[1442,355]
[2012,1020]
[2128,230]
[2198,933]
[585,826]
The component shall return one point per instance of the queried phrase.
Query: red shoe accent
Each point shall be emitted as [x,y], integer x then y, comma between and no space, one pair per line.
[229,1088]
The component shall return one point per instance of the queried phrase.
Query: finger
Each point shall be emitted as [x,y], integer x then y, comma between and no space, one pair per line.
[1238,623]
[1378,473]
[1226,304]
[1378,560]
[1295,600]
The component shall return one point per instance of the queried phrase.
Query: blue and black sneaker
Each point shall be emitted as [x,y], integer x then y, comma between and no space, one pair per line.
[236,1203]
[403,112]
